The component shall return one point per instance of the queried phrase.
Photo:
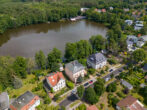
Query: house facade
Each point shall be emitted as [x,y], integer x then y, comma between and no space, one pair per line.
[27,101]
[4,101]
[56,81]
[74,70]
[97,60]
[130,103]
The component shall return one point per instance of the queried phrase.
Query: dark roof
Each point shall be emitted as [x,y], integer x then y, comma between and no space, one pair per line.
[97,58]
[145,68]
[4,101]
[23,100]
[74,66]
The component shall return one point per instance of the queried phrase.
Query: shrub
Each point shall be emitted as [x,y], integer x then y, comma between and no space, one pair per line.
[91,71]
[69,84]
[111,87]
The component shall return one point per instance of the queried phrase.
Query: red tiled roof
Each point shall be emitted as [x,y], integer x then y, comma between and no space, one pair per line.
[128,101]
[55,78]
[103,10]
[131,103]
[136,106]
[93,107]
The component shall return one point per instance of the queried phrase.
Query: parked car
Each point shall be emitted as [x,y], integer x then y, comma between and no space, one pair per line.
[86,84]
[110,70]
[107,79]
[91,81]
[74,91]
[98,74]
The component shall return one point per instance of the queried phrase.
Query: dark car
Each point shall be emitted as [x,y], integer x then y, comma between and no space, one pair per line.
[120,70]
[110,70]
[98,75]
[91,81]
[86,84]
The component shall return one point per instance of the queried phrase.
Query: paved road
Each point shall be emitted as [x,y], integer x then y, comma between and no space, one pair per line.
[69,100]
[72,97]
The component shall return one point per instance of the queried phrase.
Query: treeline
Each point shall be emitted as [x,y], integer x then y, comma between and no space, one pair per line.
[18,14]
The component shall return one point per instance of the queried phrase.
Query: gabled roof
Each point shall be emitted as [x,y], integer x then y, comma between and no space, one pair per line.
[97,58]
[92,107]
[131,103]
[74,66]
[25,99]
[4,101]
[128,101]
[54,78]
[126,84]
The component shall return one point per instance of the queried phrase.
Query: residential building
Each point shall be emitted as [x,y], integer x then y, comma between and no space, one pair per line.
[92,107]
[97,60]
[111,8]
[74,70]
[129,22]
[140,43]
[129,103]
[126,9]
[103,10]
[56,81]
[132,38]
[84,9]
[138,25]
[27,101]
[126,84]
[145,68]
[4,101]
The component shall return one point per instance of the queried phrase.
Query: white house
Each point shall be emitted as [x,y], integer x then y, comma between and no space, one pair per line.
[140,43]
[84,9]
[129,22]
[138,25]
[56,81]
[61,67]
[27,101]
[97,60]
[4,101]
[74,70]
[129,103]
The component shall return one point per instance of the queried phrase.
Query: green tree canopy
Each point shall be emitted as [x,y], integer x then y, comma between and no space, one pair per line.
[80,91]
[90,96]
[40,59]
[20,67]
[139,55]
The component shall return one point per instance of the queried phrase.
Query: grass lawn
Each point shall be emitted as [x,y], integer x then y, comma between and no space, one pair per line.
[28,85]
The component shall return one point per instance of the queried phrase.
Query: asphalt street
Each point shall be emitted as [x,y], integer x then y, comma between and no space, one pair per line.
[73,97]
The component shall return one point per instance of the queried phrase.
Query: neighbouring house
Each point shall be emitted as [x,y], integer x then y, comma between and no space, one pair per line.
[129,22]
[61,67]
[56,81]
[111,8]
[126,9]
[138,25]
[140,43]
[103,10]
[27,101]
[129,103]
[126,84]
[74,70]
[144,38]
[92,107]
[97,60]
[129,45]
[132,38]
[4,101]
[84,9]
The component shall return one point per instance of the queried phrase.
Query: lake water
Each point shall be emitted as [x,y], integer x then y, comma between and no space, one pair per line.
[26,41]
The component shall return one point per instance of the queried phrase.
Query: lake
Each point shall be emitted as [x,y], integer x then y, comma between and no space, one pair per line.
[26,41]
